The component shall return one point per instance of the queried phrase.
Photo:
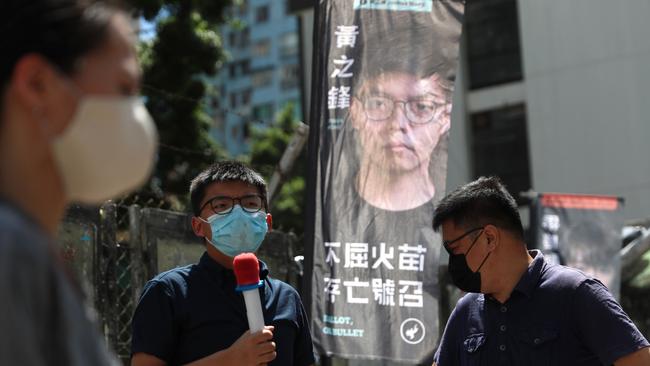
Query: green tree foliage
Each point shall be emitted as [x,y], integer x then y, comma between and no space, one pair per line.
[267,148]
[186,48]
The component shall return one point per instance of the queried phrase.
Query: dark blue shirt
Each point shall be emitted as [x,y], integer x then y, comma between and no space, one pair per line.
[43,319]
[556,315]
[191,312]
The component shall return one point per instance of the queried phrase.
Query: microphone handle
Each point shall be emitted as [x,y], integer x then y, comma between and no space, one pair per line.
[254,310]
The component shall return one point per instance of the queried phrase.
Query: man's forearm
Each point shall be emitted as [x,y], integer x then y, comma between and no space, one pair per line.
[217,358]
[638,358]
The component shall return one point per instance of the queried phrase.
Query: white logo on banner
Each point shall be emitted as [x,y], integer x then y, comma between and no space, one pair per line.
[412,331]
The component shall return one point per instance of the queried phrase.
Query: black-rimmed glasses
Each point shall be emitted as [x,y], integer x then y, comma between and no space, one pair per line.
[448,243]
[223,205]
[418,111]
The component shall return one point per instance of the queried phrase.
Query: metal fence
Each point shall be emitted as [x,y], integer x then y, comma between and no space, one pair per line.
[115,249]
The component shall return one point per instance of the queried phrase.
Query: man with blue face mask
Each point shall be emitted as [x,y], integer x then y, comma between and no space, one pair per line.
[193,315]
[521,309]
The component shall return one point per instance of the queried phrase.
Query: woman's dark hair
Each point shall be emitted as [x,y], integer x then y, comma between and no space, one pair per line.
[59,30]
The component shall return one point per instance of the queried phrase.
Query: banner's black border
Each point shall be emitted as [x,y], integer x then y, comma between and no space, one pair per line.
[312,163]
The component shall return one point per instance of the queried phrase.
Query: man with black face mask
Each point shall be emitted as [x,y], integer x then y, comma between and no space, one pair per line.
[521,310]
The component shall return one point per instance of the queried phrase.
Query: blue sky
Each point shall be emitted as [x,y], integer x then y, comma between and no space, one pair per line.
[147,29]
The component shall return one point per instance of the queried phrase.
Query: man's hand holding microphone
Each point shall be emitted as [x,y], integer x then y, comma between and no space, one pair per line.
[259,344]
[255,347]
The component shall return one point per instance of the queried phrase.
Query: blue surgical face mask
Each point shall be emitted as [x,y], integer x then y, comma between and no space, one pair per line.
[237,232]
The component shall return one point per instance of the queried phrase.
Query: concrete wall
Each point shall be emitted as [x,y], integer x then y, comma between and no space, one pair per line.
[586,87]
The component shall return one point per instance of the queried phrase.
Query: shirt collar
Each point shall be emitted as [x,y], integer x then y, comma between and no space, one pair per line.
[221,272]
[528,282]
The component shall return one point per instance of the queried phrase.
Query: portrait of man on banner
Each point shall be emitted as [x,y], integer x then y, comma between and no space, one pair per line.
[400,117]
[385,80]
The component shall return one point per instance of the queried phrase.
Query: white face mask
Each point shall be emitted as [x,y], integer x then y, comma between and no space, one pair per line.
[107,149]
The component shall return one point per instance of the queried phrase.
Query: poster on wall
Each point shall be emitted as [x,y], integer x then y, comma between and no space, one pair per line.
[581,231]
[383,80]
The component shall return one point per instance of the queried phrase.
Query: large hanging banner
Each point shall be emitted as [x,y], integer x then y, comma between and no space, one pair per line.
[383,81]
[581,231]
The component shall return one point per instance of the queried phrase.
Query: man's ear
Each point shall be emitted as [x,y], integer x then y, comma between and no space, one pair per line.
[197,227]
[269,221]
[493,236]
[30,78]
[37,85]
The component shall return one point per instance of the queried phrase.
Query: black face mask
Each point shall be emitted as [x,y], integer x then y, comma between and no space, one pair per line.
[461,275]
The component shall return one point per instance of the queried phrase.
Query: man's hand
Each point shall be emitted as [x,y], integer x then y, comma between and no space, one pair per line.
[249,350]
[253,349]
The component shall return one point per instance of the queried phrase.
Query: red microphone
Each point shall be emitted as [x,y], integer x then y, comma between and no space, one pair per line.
[247,272]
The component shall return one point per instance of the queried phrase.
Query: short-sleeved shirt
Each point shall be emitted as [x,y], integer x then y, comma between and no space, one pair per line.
[556,315]
[43,319]
[191,312]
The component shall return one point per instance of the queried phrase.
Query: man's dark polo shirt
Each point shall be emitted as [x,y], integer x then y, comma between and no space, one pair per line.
[192,312]
[555,316]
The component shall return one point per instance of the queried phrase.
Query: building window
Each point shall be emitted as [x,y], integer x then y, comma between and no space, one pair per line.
[262,47]
[500,147]
[239,68]
[218,121]
[245,38]
[262,14]
[289,77]
[247,130]
[263,113]
[493,47]
[289,44]
[243,8]
[238,99]
[233,100]
[246,96]
[234,132]
[232,39]
[262,77]
[244,67]
[240,39]
[232,70]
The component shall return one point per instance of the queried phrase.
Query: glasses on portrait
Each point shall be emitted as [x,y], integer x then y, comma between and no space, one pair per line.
[418,111]
[223,205]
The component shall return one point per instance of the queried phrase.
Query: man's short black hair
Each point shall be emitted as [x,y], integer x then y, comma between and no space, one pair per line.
[224,171]
[481,202]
